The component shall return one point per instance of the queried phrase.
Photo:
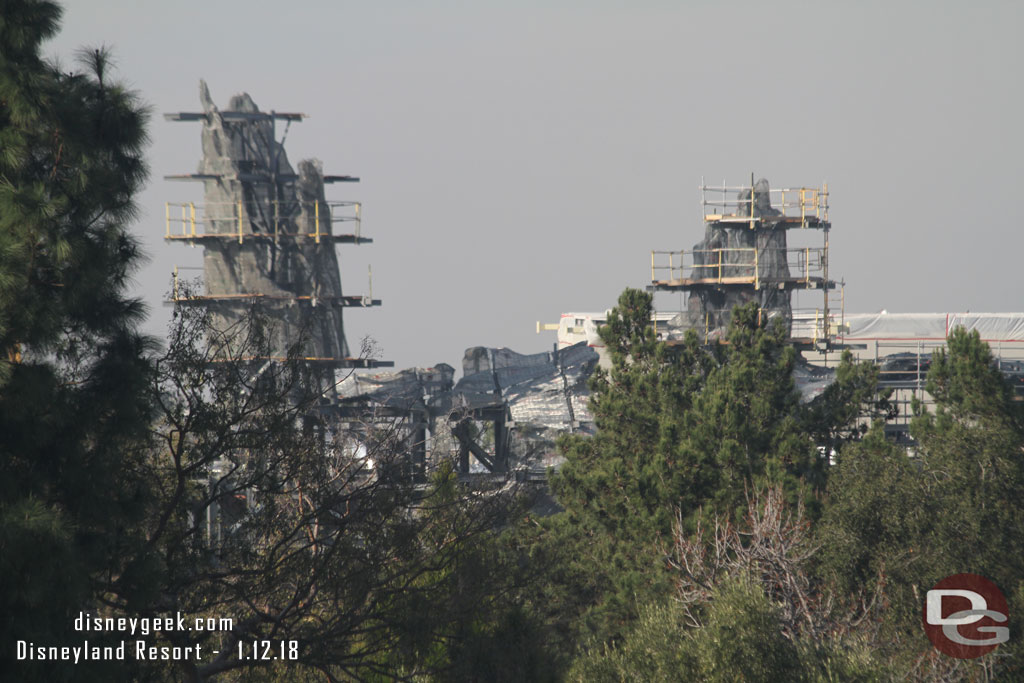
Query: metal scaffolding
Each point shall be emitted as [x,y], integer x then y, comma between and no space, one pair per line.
[747,256]
[268,235]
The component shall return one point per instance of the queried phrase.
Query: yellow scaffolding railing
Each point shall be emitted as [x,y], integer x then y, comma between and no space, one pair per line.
[176,294]
[730,265]
[188,218]
[229,219]
[188,295]
[792,202]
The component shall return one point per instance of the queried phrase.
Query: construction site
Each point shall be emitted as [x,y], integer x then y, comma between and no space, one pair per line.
[269,235]
[771,246]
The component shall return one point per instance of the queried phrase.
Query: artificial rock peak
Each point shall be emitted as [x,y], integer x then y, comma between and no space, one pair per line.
[712,306]
[268,234]
[746,256]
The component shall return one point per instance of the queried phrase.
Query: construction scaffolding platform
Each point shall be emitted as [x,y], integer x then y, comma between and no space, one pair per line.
[251,298]
[234,116]
[180,294]
[745,266]
[351,362]
[746,257]
[797,207]
[233,221]
[268,235]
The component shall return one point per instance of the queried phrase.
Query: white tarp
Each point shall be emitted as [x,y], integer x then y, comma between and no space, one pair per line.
[932,326]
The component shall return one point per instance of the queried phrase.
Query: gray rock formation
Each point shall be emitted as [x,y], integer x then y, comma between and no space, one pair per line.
[710,307]
[252,191]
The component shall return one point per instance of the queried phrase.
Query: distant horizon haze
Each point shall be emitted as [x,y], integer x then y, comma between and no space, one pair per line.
[520,160]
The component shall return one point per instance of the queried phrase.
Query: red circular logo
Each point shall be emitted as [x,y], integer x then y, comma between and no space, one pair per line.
[965,616]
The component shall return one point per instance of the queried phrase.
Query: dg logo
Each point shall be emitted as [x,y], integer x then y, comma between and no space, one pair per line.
[965,616]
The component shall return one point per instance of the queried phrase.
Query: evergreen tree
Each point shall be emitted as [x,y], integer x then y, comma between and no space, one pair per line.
[687,428]
[614,486]
[742,640]
[846,409]
[744,430]
[974,445]
[898,522]
[73,369]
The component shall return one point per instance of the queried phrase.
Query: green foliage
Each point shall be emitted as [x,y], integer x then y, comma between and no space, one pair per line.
[71,166]
[896,524]
[466,606]
[613,485]
[36,542]
[266,511]
[744,429]
[848,406]
[876,517]
[741,640]
[381,581]
[74,373]
[619,477]
[656,647]
[687,427]
[967,385]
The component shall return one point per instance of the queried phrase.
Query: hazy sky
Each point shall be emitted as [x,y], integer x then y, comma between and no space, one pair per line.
[521,159]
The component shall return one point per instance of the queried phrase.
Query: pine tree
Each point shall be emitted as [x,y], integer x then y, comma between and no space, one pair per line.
[615,486]
[744,430]
[73,368]
[684,429]
[953,504]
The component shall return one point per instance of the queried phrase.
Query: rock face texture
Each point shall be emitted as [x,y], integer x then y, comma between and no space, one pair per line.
[710,307]
[252,191]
